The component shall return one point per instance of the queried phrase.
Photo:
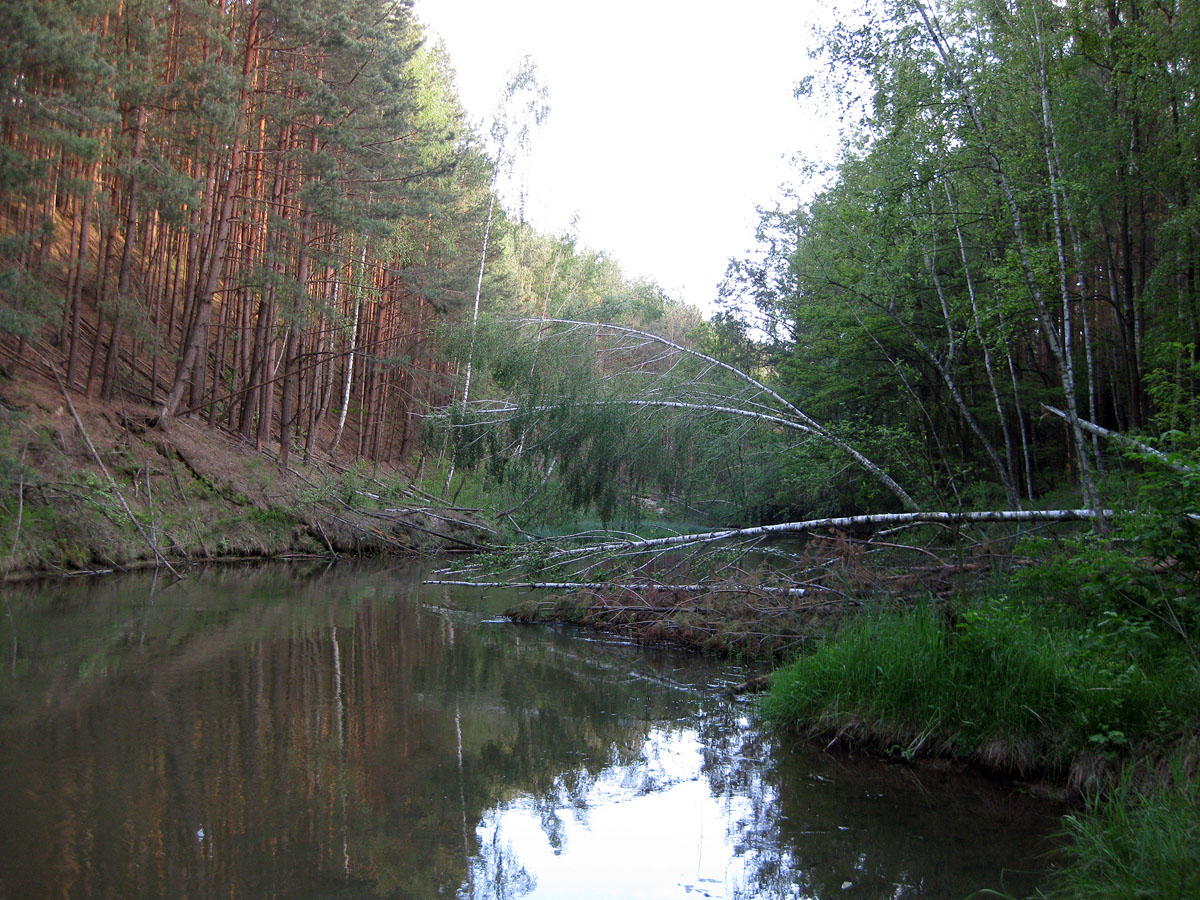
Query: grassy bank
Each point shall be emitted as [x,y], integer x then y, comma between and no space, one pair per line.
[1010,686]
[1082,669]
[1136,841]
[1103,701]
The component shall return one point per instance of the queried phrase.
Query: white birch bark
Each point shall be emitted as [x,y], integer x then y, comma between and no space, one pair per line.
[1049,327]
[835,522]
[487,230]
[606,585]
[1059,191]
[987,353]
[351,352]
[1116,437]
[1026,456]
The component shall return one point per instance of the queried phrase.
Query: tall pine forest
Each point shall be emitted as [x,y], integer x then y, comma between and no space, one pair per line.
[271,216]
[255,215]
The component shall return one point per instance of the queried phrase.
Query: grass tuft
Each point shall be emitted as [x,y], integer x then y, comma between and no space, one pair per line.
[998,684]
[1135,841]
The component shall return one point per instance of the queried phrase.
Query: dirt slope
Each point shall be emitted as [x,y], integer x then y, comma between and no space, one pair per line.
[196,493]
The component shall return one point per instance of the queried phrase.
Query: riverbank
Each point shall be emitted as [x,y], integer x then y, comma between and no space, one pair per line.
[1107,709]
[95,487]
[1077,674]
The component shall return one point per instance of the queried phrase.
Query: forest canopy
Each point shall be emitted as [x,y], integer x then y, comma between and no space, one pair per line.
[1012,227]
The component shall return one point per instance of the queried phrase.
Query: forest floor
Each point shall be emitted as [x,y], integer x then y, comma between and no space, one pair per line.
[181,492]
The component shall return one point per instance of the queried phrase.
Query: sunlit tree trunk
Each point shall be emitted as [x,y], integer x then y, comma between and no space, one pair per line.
[190,360]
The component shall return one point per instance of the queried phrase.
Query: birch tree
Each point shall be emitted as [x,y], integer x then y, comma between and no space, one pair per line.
[521,109]
[592,396]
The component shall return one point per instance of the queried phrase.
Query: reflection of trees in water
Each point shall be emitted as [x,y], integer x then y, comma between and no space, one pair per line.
[259,736]
[496,873]
[628,772]
[822,825]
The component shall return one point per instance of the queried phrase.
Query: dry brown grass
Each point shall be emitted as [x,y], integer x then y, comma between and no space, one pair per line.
[730,622]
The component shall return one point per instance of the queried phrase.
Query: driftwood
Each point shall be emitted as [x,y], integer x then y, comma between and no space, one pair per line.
[752,685]
[714,620]
[388,515]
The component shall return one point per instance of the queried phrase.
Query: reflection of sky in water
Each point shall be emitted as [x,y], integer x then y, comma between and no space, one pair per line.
[288,736]
[648,830]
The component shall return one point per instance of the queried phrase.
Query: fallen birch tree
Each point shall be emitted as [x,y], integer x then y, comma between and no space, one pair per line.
[1125,441]
[625,562]
[627,377]
[608,585]
[836,522]
[633,369]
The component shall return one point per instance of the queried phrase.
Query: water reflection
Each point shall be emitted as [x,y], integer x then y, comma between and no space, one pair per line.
[280,732]
[646,828]
[693,817]
[828,826]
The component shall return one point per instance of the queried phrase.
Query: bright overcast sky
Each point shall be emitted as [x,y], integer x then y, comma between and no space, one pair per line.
[669,121]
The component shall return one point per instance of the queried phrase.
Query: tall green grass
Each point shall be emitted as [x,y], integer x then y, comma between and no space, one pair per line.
[1135,842]
[999,684]
[1026,687]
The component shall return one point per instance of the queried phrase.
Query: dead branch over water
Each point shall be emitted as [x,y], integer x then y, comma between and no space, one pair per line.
[731,592]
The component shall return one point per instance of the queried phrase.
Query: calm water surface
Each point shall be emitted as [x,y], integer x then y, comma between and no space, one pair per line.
[338,732]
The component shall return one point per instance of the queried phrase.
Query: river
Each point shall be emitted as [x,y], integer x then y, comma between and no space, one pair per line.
[337,731]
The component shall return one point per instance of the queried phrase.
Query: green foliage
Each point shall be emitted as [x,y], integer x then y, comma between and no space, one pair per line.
[43,40]
[559,412]
[1135,841]
[814,479]
[1005,168]
[1171,383]
[1014,686]
[271,516]
[1145,575]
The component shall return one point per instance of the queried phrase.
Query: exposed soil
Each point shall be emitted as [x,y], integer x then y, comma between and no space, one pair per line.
[197,494]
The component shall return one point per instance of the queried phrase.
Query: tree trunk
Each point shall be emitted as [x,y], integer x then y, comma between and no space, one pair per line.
[195,337]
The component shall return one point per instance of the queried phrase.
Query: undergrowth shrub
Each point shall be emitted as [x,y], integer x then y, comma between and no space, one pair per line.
[1145,573]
